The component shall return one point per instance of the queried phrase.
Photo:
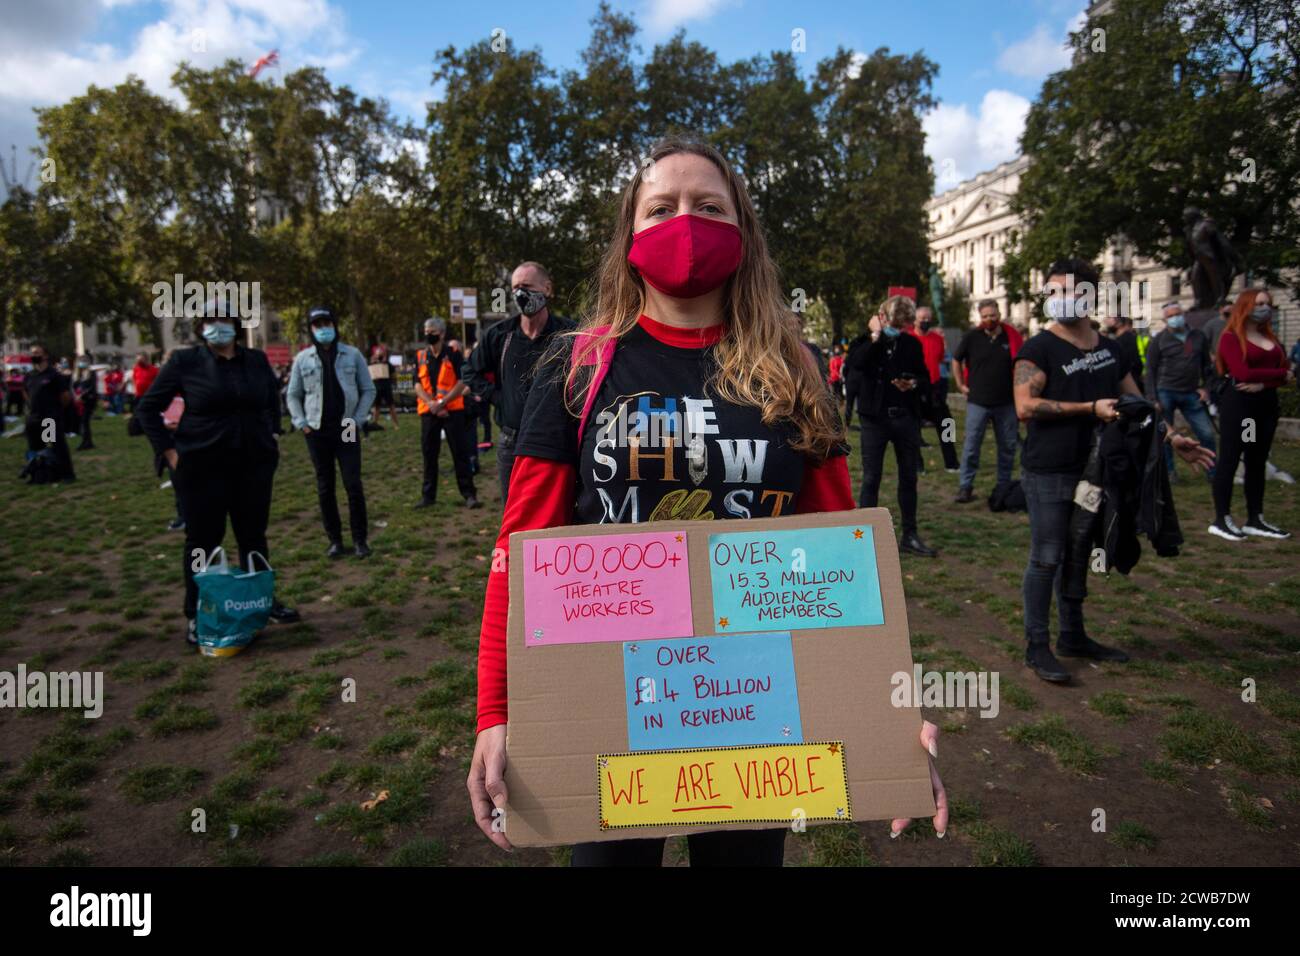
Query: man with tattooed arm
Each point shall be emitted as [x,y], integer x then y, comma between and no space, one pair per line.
[1067,378]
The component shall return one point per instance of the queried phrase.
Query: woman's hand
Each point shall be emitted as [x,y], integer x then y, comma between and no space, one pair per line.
[930,741]
[171,458]
[487,786]
[1192,451]
[1250,386]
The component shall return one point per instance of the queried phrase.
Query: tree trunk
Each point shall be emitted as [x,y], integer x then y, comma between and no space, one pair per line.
[358,315]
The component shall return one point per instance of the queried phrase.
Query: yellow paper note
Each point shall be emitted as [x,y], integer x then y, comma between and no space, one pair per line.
[761,784]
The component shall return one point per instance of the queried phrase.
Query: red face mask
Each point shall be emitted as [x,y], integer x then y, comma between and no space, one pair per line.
[686,256]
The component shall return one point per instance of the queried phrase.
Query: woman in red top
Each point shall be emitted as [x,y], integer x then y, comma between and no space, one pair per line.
[1250,353]
[707,360]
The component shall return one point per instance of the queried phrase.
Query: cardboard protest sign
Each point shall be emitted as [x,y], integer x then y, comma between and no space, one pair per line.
[812,577]
[620,588]
[708,693]
[741,784]
[755,690]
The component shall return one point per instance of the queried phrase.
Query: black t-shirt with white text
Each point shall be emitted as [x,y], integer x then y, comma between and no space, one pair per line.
[1073,375]
[658,446]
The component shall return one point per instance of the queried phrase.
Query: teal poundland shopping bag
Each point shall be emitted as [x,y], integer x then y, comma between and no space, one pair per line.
[233,605]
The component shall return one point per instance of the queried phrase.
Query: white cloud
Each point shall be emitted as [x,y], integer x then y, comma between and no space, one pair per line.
[50,59]
[1042,52]
[202,32]
[962,144]
[664,15]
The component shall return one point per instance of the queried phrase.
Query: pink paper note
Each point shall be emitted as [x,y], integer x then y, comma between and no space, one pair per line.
[617,587]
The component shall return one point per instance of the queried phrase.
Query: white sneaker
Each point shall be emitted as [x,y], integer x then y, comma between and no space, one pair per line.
[1263,529]
[1228,530]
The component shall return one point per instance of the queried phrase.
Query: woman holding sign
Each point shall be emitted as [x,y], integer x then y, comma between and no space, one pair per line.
[691,353]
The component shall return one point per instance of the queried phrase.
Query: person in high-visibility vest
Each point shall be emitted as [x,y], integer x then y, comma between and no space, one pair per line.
[440,392]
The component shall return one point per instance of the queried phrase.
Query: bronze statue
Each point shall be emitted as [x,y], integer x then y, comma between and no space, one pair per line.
[936,294]
[1214,262]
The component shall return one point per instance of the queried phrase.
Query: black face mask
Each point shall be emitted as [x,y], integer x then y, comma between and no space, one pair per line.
[530,302]
[433,339]
[925,326]
[38,361]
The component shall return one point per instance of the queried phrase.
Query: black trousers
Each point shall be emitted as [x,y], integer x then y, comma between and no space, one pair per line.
[904,431]
[506,460]
[943,416]
[87,413]
[1235,409]
[851,388]
[720,848]
[458,435]
[176,492]
[215,484]
[327,447]
[35,431]
[485,413]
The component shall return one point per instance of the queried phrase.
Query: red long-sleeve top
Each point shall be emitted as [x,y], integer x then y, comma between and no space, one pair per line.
[1268,366]
[542,496]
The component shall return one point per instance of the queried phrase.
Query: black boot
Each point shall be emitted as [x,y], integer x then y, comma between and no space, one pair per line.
[1040,659]
[284,615]
[1084,646]
[335,550]
[912,542]
[361,550]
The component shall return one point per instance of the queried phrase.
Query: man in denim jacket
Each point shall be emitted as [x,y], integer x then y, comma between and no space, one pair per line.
[329,397]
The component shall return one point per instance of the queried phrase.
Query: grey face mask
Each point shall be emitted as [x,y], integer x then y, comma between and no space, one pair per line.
[530,302]
[1261,314]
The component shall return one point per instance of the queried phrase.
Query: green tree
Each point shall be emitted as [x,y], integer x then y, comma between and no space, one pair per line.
[872,227]
[1174,103]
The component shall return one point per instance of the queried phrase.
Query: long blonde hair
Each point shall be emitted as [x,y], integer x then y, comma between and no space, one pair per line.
[761,361]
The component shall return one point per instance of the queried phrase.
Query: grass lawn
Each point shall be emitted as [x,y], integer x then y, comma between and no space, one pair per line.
[1185,771]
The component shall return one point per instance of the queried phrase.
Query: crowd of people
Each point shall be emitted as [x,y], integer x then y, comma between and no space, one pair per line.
[690,334]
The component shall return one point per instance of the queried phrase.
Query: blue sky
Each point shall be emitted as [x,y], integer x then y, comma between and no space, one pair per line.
[992,55]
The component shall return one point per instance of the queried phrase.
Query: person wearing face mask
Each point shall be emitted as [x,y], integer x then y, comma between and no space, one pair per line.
[982,367]
[894,390]
[1067,378]
[685,394]
[48,396]
[329,397]
[1119,328]
[933,347]
[85,387]
[1179,370]
[224,450]
[501,367]
[142,375]
[1255,361]
[440,400]
[852,377]
[381,373]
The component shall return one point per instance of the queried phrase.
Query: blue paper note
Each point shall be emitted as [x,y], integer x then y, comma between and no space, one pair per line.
[711,692]
[795,580]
